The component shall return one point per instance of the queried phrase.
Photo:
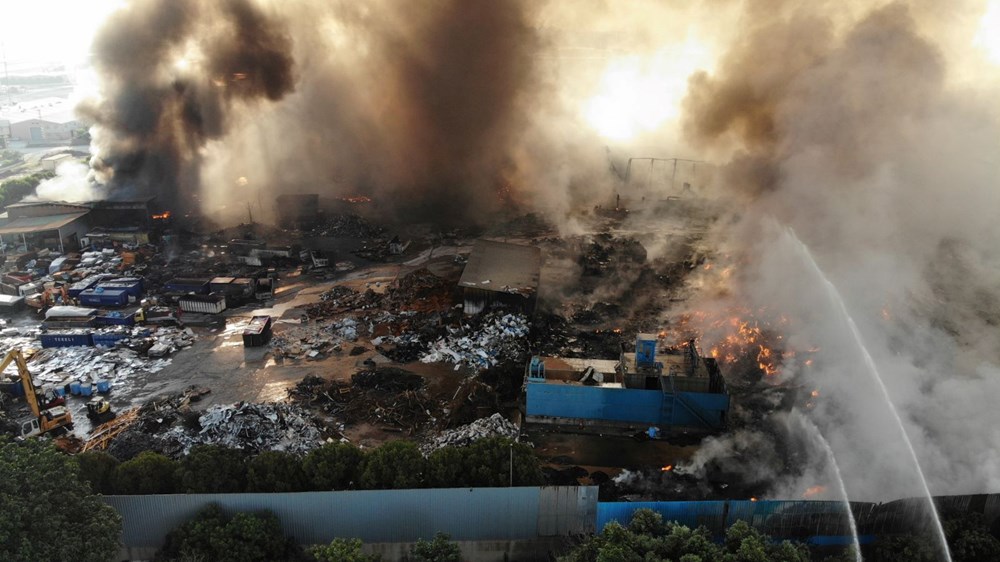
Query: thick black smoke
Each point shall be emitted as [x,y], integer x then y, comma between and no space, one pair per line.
[171,72]
[428,111]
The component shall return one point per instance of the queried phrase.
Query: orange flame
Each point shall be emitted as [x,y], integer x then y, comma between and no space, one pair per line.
[753,498]
[813,490]
[667,468]
[162,216]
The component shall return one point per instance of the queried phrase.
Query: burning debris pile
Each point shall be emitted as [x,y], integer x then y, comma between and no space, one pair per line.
[493,426]
[388,396]
[253,427]
[606,253]
[483,344]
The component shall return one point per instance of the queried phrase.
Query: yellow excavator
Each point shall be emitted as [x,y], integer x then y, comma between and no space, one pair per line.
[43,420]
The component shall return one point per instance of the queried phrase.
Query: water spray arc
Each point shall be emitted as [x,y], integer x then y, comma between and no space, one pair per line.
[840,482]
[835,298]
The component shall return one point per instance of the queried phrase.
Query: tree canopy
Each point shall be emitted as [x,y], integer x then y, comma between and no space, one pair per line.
[244,537]
[334,466]
[441,549]
[342,550]
[212,469]
[41,498]
[395,465]
[147,473]
[648,537]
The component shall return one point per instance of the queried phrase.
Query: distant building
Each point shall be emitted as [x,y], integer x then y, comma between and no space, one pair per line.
[66,227]
[36,226]
[42,122]
[499,274]
[4,133]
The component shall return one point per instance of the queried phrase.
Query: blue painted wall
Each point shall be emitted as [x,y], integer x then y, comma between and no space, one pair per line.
[647,407]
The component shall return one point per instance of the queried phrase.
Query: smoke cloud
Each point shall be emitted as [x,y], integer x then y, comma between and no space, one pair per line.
[857,129]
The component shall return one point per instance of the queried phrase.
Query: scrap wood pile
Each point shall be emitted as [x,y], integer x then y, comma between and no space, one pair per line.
[385,396]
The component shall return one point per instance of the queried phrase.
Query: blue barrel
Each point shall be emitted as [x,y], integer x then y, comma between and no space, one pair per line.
[74,388]
[60,391]
[86,389]
[103,386]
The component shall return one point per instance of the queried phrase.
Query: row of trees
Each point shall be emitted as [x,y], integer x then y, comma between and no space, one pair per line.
[13,190]
[257,537]
[335,466]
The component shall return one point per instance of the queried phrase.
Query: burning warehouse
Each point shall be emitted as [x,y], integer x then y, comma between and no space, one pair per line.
[499,274]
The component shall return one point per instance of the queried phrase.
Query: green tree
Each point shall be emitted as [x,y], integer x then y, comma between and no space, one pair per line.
[396,465]
[648,537]
[334,466]
[487,462]
[276,471]
[342,550]
[441,549]
[148,473]
[969,538]
[41,497]
[98,469]
[13,190]
[245,537]
[8,157]
[491,460]
[212,469]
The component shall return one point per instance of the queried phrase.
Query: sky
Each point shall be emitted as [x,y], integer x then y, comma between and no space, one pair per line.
[44,31]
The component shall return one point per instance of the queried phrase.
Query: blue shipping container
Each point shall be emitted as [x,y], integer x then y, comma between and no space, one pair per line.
[102,297]
[116,318]
[108,340]
[196,286]
[132,287]
[65,340]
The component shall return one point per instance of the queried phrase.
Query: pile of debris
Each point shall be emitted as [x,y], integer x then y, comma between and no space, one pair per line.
[253,427]
[315,340]
[385,396]
[493,426]
[347,226]
[140,351]
[499,337]
[342,299]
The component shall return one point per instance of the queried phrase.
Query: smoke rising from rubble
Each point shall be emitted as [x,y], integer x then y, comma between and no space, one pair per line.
[859,130]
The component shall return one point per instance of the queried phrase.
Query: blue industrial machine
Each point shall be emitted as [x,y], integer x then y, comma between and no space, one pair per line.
[635,393]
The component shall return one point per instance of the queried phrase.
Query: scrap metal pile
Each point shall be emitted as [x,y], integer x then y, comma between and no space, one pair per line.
[493,426]
[141,350]
[171,426]
[253,427]
[482,345]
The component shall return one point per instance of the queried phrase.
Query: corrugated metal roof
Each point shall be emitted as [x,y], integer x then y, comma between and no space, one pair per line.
[28,225]
[502,267]
[377,516]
